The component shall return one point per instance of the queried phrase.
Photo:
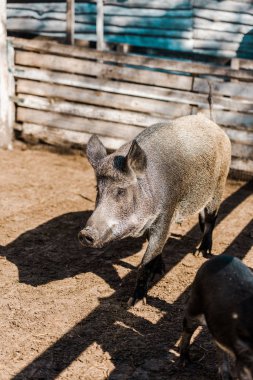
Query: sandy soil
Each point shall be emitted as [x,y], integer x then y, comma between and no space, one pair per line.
[63,308]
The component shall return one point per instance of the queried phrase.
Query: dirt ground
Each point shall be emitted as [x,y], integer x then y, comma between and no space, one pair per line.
[63,312]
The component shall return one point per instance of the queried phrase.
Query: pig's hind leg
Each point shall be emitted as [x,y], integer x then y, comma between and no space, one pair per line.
[193,318]
[208,216]
[189,326]
[207,219]
[224,365]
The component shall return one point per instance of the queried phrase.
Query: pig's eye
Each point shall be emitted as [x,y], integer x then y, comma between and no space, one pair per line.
[121,191]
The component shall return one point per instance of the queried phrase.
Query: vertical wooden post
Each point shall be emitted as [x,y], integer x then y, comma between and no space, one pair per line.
[70,22]
[5,125]
[235,65]
[11,85]
[100,25]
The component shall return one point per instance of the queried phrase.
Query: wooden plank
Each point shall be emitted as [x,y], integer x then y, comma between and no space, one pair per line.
[5,127]
[105,99]
[37,24]
[82,39]
[239,136]
[62,137]
[230,6]
[14,15]
[175,38]
[147,12]
[246,64]
[70,24]
[39,8]
[216,45]
[244,44]
[150,92]
[223,26]
[232,119]
[228,17]
[37,12]
[90,6]
[203,34]
[231,89]
[219,53]
[75,123]
[11,86]
[156,63]
[154,4]
[121,95]
[75,65]
[242,151]
[100,25]
[55,10]
[135,31]
[169,22]
[89,111]
[242,165]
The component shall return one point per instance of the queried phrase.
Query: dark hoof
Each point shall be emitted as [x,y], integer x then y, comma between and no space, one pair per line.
[205,248]
[136,302]
[203,253]
[197,253]
[179,365]
[224,375]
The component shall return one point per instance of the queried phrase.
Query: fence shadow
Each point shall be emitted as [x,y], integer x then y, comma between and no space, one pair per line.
[52,252]
[136,346]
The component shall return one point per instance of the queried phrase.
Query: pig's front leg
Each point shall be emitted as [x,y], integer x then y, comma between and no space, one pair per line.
[152,262]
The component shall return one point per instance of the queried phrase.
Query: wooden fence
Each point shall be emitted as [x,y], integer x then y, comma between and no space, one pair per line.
[214,28]
[66,93]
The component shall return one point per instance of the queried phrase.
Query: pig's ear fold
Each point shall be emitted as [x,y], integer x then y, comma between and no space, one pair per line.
[136,159]
[95,151]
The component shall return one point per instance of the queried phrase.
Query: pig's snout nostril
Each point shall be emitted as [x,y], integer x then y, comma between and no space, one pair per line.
[89,239]
[86,238]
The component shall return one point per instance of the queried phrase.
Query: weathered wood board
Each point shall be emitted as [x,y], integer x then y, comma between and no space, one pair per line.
[218,28]
[66,93]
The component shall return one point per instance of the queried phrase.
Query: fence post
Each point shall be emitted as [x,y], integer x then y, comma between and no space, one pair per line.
[100,25]
[70,22]
[6,127]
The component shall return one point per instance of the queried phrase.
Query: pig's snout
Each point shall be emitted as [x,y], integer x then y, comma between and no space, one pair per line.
[88,236]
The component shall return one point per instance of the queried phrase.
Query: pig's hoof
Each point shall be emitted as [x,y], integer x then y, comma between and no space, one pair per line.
[200,252]
[179,365]
[183,361]
[136,301]
[224,374]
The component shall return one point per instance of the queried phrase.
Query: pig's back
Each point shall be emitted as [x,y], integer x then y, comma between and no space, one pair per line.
[187,138]
[186,157]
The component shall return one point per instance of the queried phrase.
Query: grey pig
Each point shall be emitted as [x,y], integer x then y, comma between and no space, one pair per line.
[167,173]
[222,297]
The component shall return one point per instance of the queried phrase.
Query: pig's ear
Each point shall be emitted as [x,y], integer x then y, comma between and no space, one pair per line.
[136,158]
[95,151]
